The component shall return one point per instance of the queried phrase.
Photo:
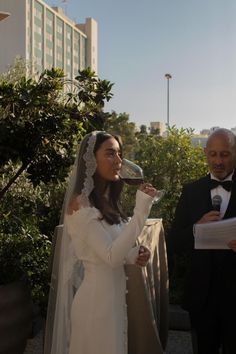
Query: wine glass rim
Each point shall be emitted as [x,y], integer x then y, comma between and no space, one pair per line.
[128,165]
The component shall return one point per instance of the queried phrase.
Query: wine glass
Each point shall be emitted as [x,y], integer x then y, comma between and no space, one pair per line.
[132,174]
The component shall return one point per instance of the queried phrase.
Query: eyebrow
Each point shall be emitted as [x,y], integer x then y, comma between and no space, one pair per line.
[113,150]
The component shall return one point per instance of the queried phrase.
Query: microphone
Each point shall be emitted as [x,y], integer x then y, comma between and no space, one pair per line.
[216,202]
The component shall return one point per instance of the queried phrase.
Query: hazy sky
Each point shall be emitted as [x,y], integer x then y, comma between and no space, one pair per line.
[140,41]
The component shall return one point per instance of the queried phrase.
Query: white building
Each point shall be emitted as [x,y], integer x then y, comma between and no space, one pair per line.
[157,126]
[45,37]
[199,140]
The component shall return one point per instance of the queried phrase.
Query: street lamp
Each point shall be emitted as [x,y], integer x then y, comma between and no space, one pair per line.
[3,15]
[168,77]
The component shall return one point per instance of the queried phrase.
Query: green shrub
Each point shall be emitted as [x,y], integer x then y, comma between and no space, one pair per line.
[28,218]
[168,162]
[24,254]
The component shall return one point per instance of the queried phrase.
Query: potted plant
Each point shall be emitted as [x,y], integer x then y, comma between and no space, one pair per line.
[24,253]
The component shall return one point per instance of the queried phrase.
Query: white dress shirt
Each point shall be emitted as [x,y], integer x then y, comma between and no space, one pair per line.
[225,195]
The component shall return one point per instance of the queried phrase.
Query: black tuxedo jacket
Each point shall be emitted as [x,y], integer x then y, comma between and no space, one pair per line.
[210,271]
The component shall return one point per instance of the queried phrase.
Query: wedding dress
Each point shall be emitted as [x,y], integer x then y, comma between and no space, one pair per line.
[87,301]
[98,313]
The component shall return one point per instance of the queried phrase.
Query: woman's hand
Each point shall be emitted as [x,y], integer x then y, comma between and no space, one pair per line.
[148,189]
[143,257]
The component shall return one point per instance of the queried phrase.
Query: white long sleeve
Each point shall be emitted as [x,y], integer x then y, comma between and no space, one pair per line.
[88,232]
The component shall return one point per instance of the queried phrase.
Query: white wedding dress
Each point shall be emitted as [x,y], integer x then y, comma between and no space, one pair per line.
[99,313]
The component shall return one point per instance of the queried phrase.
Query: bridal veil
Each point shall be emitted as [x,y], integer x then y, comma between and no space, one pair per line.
[67,271]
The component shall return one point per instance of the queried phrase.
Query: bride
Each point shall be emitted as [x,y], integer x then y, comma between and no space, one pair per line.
[87,311]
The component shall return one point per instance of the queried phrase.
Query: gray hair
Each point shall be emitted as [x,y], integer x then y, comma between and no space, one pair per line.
[227,133]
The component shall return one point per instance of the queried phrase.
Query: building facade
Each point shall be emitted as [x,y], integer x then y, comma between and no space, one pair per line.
[46,38]
[157,127]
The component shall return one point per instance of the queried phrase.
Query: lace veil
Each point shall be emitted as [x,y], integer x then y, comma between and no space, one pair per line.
[67,271]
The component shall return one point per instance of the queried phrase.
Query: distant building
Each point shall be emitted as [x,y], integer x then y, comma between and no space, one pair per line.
[157,128]
[233,130]
[213,128]
[45,37]
[199,140]
[205,132]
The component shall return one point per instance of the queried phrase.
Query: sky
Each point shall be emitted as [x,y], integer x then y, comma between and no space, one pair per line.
[140,41]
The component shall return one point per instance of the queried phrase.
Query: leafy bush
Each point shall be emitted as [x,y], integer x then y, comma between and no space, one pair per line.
[24,253]
[168,163]
[40,127]
[41,124]
[28,218]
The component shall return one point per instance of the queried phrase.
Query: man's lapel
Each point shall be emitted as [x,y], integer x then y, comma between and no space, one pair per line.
[231,209]
[207,192]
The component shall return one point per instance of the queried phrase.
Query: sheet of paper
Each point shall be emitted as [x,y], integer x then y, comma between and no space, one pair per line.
[215,235]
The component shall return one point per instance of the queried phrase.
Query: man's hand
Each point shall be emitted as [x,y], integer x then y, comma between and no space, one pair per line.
[143,257]
[232,245]
[212,215]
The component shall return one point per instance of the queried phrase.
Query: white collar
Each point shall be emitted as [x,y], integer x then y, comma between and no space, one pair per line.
[228,178]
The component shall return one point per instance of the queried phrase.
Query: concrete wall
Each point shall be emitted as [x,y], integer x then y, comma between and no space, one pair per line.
[12,32]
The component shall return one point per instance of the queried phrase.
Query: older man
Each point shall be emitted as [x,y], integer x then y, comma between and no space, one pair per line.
[210,287]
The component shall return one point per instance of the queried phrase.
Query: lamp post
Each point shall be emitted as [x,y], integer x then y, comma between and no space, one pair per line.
[168,77]
[3,15]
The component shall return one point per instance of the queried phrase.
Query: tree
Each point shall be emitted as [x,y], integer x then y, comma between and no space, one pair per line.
[40,126]
[16,70]
[119,124]
[168,163]
[143,129]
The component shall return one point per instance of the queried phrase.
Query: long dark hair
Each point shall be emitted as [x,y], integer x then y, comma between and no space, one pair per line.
[109,206]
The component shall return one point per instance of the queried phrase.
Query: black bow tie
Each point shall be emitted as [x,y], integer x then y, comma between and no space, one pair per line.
[227,185]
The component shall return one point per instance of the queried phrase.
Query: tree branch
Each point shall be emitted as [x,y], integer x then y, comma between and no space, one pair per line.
[13,179]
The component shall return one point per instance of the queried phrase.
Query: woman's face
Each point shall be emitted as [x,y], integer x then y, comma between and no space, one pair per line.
[108,158]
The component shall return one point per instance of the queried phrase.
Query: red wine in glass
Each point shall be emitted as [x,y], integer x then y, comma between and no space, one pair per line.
[133,175]
[133,181]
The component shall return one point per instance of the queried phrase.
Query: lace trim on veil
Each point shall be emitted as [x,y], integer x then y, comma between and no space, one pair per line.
[90,164]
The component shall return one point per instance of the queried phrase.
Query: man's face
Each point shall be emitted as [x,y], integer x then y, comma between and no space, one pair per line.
[220,156]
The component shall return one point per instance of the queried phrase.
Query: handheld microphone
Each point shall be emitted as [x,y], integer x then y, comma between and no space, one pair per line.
[216,202]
